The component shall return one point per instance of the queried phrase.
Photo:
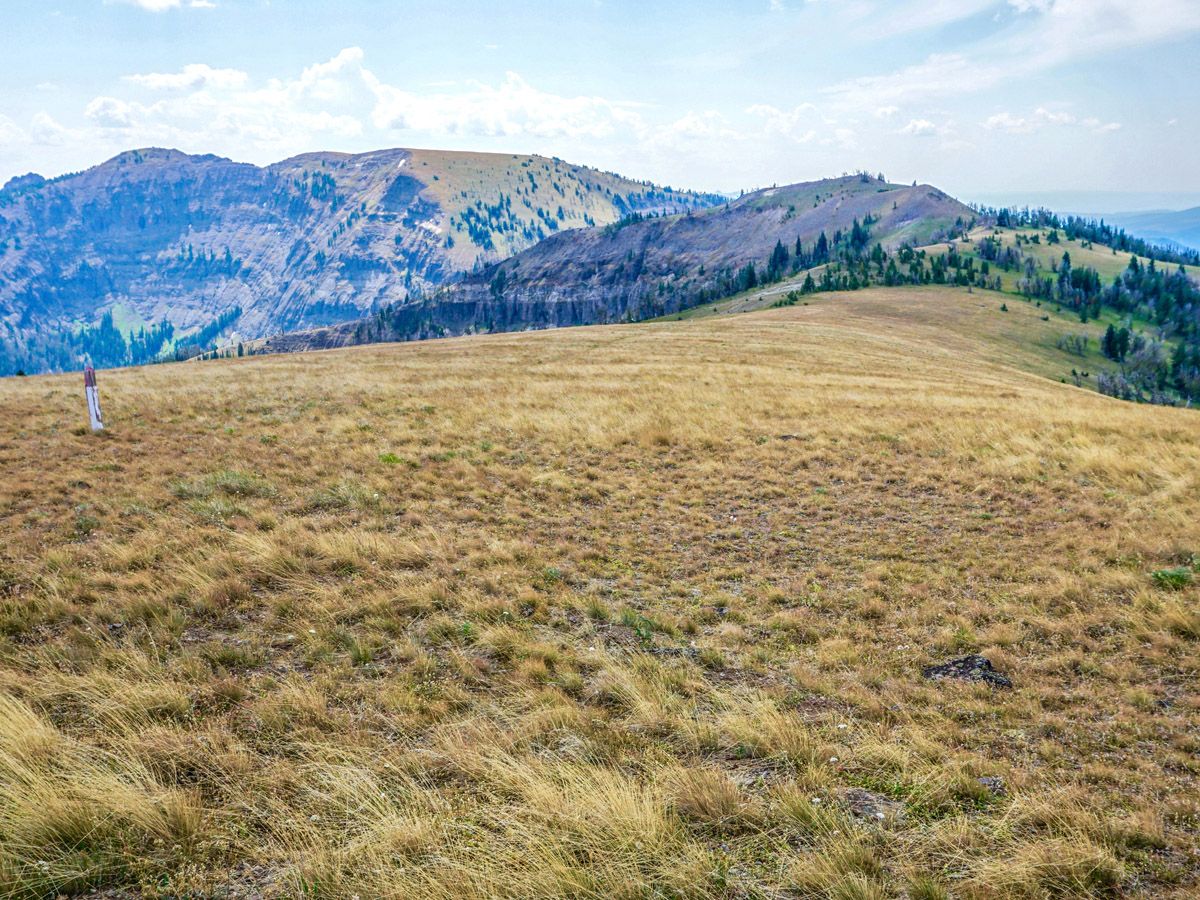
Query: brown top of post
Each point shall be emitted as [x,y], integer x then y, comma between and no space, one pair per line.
[89,377]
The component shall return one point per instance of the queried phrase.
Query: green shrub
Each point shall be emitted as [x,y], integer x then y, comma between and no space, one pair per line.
[1173,579]
[85,523]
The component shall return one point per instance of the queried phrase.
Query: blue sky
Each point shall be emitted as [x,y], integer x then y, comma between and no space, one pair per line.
[991,99]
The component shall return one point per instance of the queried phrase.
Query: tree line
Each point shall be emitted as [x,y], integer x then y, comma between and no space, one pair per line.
[1095,231]
[105,346]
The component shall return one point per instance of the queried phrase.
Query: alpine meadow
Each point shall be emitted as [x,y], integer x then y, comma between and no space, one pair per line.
[479,522]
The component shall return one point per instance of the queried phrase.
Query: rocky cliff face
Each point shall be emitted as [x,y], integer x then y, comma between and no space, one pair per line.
[155,249]
[654,266]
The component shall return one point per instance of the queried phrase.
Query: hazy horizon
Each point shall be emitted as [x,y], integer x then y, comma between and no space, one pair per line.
[1091,202]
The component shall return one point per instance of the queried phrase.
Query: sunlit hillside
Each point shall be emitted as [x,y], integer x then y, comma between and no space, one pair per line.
[495,205]
[1047,252]
[612,612]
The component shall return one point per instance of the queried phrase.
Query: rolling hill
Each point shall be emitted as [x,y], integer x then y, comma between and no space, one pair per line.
[649,266]
[192,248]
[651,610]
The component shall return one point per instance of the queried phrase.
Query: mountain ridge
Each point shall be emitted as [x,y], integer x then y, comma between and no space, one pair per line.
[177,243]
[647,267]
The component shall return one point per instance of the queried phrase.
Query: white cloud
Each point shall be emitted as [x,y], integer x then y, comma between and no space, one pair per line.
[1044,35]
[1053,118]
[1043,117]
[919,128]
[157,6]
[11,132]
[801,124]
[940,74]
[45,130]
[1006,121]
[191,77]
[514,107]
[845,138]
[200,107]
[1024,6]
[109,112]
[695,127]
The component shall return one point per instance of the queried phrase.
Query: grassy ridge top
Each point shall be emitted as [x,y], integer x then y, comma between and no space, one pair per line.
[618,611]
[1024,336]
[465,193]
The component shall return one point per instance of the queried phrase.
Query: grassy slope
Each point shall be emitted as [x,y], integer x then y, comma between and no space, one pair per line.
[1025,337]
[1097,256]
[616,611]
[1030,336]
[1047,256]
[578,190]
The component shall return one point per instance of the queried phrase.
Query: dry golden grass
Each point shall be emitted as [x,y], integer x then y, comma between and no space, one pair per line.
[610,612]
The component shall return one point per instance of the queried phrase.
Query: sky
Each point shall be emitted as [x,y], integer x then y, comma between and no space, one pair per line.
[1000,101]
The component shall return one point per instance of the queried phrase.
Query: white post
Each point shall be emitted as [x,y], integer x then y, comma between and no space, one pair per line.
[93,399]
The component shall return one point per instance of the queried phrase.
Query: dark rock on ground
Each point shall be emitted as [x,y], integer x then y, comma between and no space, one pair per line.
[872,807]
[619,636]
[968,668]
[993,784]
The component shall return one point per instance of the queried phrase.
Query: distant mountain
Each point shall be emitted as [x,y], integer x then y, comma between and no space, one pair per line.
[647,267]
[155,249]
[1090,203]
[1177,227]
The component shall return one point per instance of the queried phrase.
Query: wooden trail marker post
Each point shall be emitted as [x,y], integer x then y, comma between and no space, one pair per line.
[93,399]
